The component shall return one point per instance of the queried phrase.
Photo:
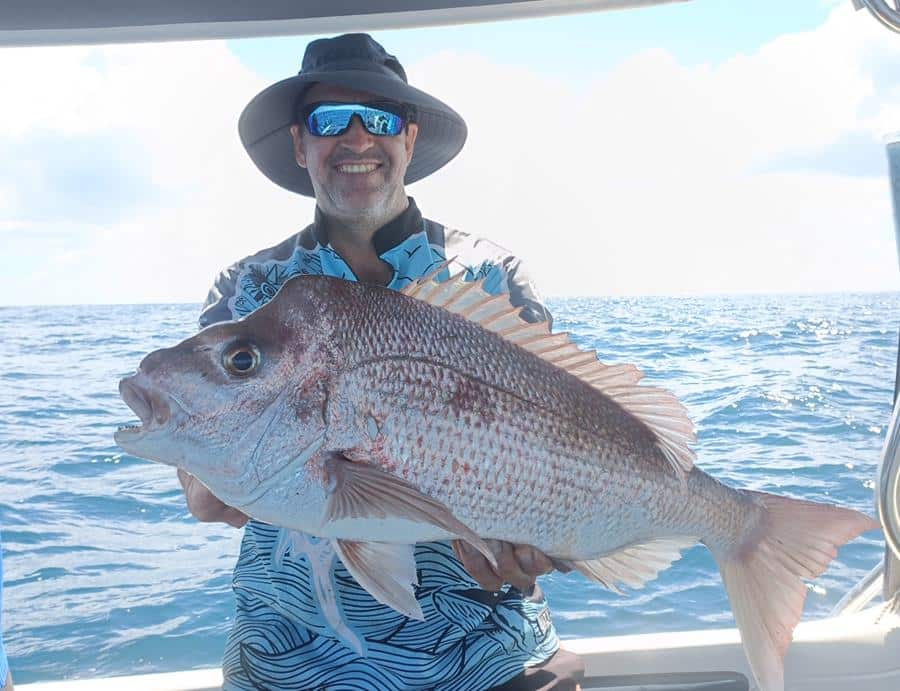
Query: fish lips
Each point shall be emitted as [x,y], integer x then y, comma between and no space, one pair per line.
[151,406]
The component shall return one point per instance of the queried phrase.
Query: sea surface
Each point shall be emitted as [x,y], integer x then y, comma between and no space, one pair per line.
[107,573]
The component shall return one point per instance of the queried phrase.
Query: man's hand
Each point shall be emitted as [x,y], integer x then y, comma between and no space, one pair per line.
[205,506]
[518,565]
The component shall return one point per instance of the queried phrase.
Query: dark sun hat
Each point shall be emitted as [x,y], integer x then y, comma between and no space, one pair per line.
[354,61]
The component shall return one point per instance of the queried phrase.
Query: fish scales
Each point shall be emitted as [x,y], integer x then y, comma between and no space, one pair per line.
[375,420]
[514,415]
[513,453]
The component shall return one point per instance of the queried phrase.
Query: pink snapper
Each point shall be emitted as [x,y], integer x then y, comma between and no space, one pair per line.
[377,419]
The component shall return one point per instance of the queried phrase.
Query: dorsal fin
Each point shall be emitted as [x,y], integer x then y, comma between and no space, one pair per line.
[657,408]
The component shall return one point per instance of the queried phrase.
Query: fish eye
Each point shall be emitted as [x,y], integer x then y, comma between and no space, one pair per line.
[241,359]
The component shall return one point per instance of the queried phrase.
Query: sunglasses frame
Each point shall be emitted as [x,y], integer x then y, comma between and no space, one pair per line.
[405,112]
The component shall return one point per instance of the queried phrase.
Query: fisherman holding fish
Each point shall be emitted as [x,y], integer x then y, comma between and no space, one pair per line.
[350,131]
[366,424]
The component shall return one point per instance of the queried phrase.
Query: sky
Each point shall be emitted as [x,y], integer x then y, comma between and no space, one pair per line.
[689,148]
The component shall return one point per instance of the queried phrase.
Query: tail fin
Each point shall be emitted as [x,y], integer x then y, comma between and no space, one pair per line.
[795,540]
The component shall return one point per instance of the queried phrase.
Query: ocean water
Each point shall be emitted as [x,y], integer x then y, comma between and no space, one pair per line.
[107,573]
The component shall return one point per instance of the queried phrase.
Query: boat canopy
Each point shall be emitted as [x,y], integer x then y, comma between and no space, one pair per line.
[50,22]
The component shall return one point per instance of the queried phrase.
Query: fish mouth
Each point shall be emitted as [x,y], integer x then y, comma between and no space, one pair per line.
[151,407]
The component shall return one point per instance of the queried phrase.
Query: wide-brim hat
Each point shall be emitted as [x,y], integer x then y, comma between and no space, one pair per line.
[354,61]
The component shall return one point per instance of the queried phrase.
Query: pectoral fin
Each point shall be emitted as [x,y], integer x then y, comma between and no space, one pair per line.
[362,490]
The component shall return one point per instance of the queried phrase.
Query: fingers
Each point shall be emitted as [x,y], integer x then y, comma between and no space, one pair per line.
[510,570]
[205,506]
[477,566]
[532,561]
[518,565]
[234,517]
[562,565]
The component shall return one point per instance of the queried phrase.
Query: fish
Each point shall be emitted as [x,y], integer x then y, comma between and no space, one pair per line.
[376,419]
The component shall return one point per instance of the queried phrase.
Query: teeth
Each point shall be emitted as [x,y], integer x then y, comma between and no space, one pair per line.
[357,167]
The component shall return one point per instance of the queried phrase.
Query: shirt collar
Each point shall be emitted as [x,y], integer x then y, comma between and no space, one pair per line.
[388,236]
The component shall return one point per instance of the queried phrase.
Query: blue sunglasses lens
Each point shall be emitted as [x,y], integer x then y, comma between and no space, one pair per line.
[333,119]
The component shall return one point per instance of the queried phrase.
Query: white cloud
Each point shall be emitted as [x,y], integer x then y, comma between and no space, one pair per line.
[664,181]
[171,111]
[664,178]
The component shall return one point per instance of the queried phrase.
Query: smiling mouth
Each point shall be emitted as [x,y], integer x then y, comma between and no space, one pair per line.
[357,168]
[150,406]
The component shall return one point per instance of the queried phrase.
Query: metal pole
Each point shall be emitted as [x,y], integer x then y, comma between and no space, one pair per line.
[884,13]
[891,584]
[861,594]
[893,155]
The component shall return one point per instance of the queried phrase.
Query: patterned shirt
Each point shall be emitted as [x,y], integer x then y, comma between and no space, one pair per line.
[302,622]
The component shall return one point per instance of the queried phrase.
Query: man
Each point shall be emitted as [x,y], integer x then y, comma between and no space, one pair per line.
[350,131]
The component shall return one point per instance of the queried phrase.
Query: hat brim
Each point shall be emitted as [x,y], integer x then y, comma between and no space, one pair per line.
[264,125]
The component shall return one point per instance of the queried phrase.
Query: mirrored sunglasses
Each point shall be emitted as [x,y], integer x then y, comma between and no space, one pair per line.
[333,119]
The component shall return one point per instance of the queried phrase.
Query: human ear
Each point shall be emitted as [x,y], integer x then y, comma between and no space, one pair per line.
[412,131]
[299,150]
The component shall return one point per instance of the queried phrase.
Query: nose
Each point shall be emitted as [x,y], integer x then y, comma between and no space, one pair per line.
[357,138]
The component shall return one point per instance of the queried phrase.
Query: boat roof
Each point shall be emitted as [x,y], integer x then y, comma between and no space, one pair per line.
[61,22]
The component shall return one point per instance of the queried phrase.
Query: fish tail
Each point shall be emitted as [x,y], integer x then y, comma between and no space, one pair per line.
[763,575]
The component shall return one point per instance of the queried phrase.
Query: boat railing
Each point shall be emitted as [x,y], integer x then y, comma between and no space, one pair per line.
[888,500]
[882,11]
[888,479]
[886,576]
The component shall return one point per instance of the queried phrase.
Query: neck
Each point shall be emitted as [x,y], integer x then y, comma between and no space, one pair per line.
[366,221]
[352,239]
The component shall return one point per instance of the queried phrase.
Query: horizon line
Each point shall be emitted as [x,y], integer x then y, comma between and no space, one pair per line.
[547,296]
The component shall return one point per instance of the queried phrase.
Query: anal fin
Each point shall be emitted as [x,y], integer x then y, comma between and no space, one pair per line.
[635,564]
